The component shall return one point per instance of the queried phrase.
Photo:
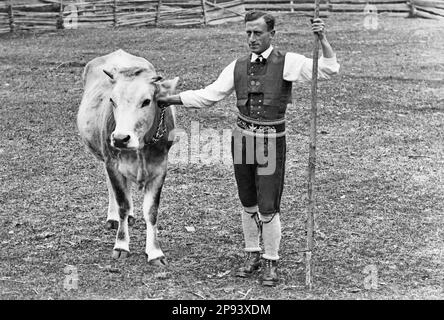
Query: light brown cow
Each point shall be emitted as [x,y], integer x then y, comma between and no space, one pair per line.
[122,125]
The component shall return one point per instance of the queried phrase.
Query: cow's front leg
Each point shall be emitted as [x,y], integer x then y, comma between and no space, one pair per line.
[121,191]
[150,208]
[112,219]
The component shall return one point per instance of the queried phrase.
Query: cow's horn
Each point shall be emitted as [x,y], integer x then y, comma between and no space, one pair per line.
[109,74]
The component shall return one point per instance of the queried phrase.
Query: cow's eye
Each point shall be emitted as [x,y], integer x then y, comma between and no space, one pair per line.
[112,102]
[146,103]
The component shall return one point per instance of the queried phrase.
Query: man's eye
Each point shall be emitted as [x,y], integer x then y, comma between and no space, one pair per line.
[146,103]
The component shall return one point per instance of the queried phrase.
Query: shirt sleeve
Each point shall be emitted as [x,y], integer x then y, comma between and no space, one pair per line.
[218,90]
[299,68]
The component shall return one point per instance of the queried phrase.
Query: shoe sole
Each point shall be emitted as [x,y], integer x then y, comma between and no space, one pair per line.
[246,274]
[241,274]
[269,283]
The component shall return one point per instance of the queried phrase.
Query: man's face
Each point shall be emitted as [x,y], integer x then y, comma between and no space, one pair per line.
[259,38]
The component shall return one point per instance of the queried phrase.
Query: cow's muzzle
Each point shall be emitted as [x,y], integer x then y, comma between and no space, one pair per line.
[120,140]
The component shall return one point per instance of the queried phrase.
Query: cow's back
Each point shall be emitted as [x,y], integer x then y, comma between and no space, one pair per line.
[95,109]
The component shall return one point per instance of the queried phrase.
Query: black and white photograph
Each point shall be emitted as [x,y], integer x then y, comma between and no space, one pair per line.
[237,152]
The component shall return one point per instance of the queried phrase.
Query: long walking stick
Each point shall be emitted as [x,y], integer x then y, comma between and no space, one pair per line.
[312,161]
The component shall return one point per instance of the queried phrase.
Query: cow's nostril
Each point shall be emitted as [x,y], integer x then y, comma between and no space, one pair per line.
[121,141]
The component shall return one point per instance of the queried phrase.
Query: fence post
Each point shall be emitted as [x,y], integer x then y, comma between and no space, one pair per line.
[156,21]
[204,11]
[159,4]
[115,14]
[412,12]
[60,19]
[11,17]
[292,7]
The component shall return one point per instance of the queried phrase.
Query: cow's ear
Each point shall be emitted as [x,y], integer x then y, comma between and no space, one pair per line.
[157,78]
[167,87]
[110,74]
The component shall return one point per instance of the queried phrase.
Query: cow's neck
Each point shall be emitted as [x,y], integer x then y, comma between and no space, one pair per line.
[150,139]
[141,168]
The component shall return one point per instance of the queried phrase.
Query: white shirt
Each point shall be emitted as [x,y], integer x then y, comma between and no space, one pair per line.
[264,54]
[296,68]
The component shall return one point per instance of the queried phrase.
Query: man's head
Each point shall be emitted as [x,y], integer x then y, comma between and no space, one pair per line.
[259,27]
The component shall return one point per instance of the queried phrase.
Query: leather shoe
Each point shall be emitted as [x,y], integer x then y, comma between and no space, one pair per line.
[269,275]
[251,264]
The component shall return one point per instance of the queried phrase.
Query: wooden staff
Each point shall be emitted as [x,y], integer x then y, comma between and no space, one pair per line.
[312,161]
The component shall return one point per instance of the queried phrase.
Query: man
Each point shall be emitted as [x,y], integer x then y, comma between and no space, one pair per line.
[262,81]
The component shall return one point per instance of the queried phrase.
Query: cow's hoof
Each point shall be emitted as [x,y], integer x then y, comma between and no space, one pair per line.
[111,224]
[131,221]
[159,262]
[120,254]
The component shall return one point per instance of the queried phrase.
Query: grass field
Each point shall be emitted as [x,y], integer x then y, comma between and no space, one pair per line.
[380,169]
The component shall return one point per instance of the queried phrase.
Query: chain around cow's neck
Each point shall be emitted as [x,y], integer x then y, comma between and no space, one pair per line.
[161,127]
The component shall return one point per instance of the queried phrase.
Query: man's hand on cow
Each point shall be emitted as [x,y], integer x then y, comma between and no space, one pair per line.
[167,100]
[162,102]
[318,27]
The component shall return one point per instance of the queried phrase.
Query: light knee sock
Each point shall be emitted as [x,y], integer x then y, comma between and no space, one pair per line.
[271,235]
[251,232]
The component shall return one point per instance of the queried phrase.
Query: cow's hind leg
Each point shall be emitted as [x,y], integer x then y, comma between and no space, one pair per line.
[112,219]
[150,208]
[121,191]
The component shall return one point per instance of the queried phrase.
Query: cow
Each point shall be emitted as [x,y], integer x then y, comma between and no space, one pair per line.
[122,125]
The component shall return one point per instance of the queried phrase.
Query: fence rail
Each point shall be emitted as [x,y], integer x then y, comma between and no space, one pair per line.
[303,7]
[429,9]
[52,14]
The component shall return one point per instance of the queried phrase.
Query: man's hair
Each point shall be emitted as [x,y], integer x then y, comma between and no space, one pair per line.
[254,15]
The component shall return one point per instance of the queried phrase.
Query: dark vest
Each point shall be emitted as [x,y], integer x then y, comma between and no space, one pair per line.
[261,91]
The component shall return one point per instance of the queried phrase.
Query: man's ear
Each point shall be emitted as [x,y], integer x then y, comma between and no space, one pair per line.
[166,87]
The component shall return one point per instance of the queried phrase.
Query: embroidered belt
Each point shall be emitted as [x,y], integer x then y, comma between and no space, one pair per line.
[254,127]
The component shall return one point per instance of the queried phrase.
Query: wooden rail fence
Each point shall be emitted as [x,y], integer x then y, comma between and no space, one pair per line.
[303,7]
[429,9]
[52,14]
[70,14]
[394,7]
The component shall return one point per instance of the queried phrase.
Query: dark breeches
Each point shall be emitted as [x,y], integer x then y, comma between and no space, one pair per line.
[259,168]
